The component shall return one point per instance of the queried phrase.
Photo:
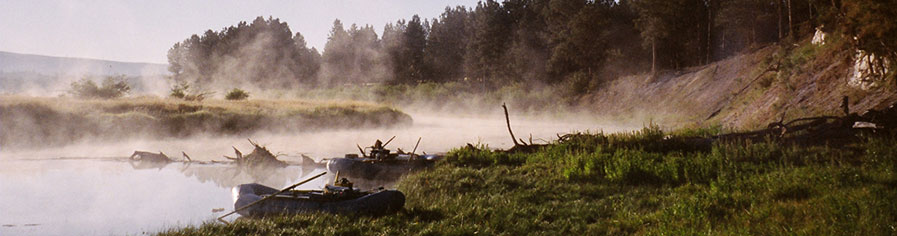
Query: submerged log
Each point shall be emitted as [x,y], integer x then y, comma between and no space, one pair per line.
[149,157]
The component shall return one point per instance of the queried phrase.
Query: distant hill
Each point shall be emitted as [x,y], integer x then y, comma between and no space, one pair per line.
[48,65]
[50,76]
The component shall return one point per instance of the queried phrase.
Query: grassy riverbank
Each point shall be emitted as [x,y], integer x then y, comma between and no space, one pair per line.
[634,183]
[33,121]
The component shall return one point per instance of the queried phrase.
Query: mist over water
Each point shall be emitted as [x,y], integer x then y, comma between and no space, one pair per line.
[90,188]
[438,133]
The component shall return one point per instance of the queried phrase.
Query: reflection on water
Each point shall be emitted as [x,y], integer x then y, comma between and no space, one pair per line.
[88,197]
[44,194]
[228,176]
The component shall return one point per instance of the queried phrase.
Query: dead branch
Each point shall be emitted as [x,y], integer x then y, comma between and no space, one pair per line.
[187,156]
[239,154]
[253,143]
[508,121]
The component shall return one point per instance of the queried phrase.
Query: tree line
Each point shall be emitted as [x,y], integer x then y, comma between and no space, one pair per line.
[547,41]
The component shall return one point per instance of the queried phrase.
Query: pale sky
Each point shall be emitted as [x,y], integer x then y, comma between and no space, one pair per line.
[143,31]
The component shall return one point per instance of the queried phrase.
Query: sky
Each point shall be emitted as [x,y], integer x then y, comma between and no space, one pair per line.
[143,31]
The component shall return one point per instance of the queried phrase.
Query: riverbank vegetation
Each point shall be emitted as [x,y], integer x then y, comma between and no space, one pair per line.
[644,182]
[32,121]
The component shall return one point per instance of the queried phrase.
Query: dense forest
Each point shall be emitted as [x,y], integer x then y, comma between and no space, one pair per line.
[529,41]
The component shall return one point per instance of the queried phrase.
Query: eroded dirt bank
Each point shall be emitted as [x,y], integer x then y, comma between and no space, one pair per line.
[747,91]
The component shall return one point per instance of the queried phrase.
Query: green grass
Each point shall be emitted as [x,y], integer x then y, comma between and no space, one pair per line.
[645,182]
[29,121]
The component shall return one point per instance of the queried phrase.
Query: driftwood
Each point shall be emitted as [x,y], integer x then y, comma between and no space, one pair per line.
[823,129]
[521,146]
[148,160]
[508,121]
[819,130]
[259,157]
[149,157]
[187,157]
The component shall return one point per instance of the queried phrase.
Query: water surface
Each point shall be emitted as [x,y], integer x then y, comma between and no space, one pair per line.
[90,188]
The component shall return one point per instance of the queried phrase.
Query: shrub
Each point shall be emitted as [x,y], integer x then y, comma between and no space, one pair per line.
[236,94]
[182,90]
[112,87]
[179,90]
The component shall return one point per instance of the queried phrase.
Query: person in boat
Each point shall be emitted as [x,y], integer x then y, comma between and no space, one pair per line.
[378,151]
[343,182]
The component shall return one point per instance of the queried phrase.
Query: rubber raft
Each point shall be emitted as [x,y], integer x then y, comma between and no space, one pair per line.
[371,168]
[332,199]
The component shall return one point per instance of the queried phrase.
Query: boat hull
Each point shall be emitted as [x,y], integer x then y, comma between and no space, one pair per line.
[366,169]
[377,203]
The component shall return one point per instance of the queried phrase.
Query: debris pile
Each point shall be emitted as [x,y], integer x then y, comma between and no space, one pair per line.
[259,157]
[824,129]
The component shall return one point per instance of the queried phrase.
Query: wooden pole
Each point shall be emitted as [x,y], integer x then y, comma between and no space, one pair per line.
[270,196]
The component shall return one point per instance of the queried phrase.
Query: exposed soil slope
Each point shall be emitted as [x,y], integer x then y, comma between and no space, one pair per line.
[746,91]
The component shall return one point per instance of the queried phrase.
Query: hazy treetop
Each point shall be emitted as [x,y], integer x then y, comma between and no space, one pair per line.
[142,31]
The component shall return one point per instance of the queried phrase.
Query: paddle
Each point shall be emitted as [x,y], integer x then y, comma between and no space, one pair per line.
[269,196]
[415,149]
[387,141]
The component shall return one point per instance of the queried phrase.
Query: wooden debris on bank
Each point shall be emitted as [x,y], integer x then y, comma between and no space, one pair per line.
[820,129]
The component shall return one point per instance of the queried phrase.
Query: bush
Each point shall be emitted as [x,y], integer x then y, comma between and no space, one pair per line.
[112,87]
[179,90]
[182,91]
[236,94]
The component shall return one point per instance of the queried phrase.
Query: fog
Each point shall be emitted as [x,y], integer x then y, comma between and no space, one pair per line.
[88,187]
[84,183]
[439,133]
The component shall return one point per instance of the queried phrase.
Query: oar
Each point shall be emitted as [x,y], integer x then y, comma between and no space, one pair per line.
[415,149]
[269,196]
[387,141]
[361,150]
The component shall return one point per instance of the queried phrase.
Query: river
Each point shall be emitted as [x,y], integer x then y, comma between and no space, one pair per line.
[89,188]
